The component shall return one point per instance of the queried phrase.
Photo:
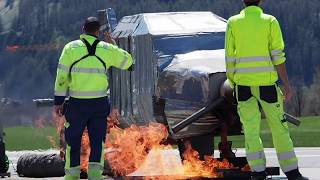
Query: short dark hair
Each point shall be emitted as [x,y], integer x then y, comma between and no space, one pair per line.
[252,2]
[91,25]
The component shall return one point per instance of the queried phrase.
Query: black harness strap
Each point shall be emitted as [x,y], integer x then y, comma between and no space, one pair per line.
[91,52]
[103,63]
[91,48]
[74,63]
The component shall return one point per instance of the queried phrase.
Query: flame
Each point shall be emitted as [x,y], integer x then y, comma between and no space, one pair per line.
[140,149]
[40,123]
[193,166]
[131,146]
[53,142]
[59,123]
[85,151]
[246,168]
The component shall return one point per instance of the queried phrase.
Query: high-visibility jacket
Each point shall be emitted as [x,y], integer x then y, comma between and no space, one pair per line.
[87,78]
[253,46]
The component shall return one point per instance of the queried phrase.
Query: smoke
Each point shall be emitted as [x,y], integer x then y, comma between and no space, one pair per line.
[17,113]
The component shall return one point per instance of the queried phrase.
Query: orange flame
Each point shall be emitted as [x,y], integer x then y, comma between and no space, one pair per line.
[130,150]
[59,123]
[40,123]
[132,145]
[193,166]
[53,142]
[85,151]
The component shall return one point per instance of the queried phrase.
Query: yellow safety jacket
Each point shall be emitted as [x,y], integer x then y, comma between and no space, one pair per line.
[253,45]
[84,75]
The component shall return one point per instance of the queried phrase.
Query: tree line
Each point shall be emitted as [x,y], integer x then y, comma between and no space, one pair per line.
[27,74]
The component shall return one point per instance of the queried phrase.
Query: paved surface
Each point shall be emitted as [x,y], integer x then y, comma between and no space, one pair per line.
[309,161]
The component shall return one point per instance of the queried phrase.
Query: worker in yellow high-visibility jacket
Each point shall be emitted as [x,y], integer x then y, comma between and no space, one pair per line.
[82,75]
[255,57]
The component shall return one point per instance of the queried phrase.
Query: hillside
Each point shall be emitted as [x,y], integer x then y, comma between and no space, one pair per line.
[29,73]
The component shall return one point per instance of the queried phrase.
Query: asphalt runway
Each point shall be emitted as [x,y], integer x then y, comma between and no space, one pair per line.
[309,161]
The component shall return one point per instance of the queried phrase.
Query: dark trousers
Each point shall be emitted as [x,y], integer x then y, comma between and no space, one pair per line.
[82,113]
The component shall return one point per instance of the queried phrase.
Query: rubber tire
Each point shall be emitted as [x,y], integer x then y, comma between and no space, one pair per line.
[40,165]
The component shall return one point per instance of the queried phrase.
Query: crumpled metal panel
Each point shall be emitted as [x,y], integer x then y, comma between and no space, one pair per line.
[187,76]
[181,62]
[131,92]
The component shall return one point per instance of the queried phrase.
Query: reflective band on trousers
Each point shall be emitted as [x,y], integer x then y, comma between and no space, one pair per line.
[95,166]
[251,70]
[60,93]
[124,62]
[290,167]
[276,52]
[256,156]
[72,171]
[286,155]
[258,168]
[88,93]
[82,70]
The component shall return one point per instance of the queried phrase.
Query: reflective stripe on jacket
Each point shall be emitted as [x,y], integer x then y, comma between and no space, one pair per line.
[88,78]
[254,45]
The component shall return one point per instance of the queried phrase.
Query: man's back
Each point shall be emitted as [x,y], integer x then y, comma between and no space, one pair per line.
[251,30]
[254,45]
[84,75]
[103,50]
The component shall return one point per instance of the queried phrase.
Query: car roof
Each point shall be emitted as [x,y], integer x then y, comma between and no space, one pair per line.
[170,23]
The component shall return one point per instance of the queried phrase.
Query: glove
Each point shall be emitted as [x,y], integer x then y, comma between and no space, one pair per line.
[131,68]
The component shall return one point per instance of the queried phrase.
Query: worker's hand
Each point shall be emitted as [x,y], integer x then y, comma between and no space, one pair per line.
[58,110]
[109,39]
[288,92]
[131,68]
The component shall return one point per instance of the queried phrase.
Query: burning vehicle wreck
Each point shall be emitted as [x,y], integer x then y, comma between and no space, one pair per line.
[179,69]
[177,95]
[179,81]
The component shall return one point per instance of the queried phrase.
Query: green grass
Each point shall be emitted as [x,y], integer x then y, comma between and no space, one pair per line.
[304,136]
[29,138]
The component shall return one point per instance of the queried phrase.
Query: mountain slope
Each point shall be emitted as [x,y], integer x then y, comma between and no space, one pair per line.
[27,74]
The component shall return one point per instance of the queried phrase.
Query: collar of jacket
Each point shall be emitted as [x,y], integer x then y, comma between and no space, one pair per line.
[252,9]
[90,38]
